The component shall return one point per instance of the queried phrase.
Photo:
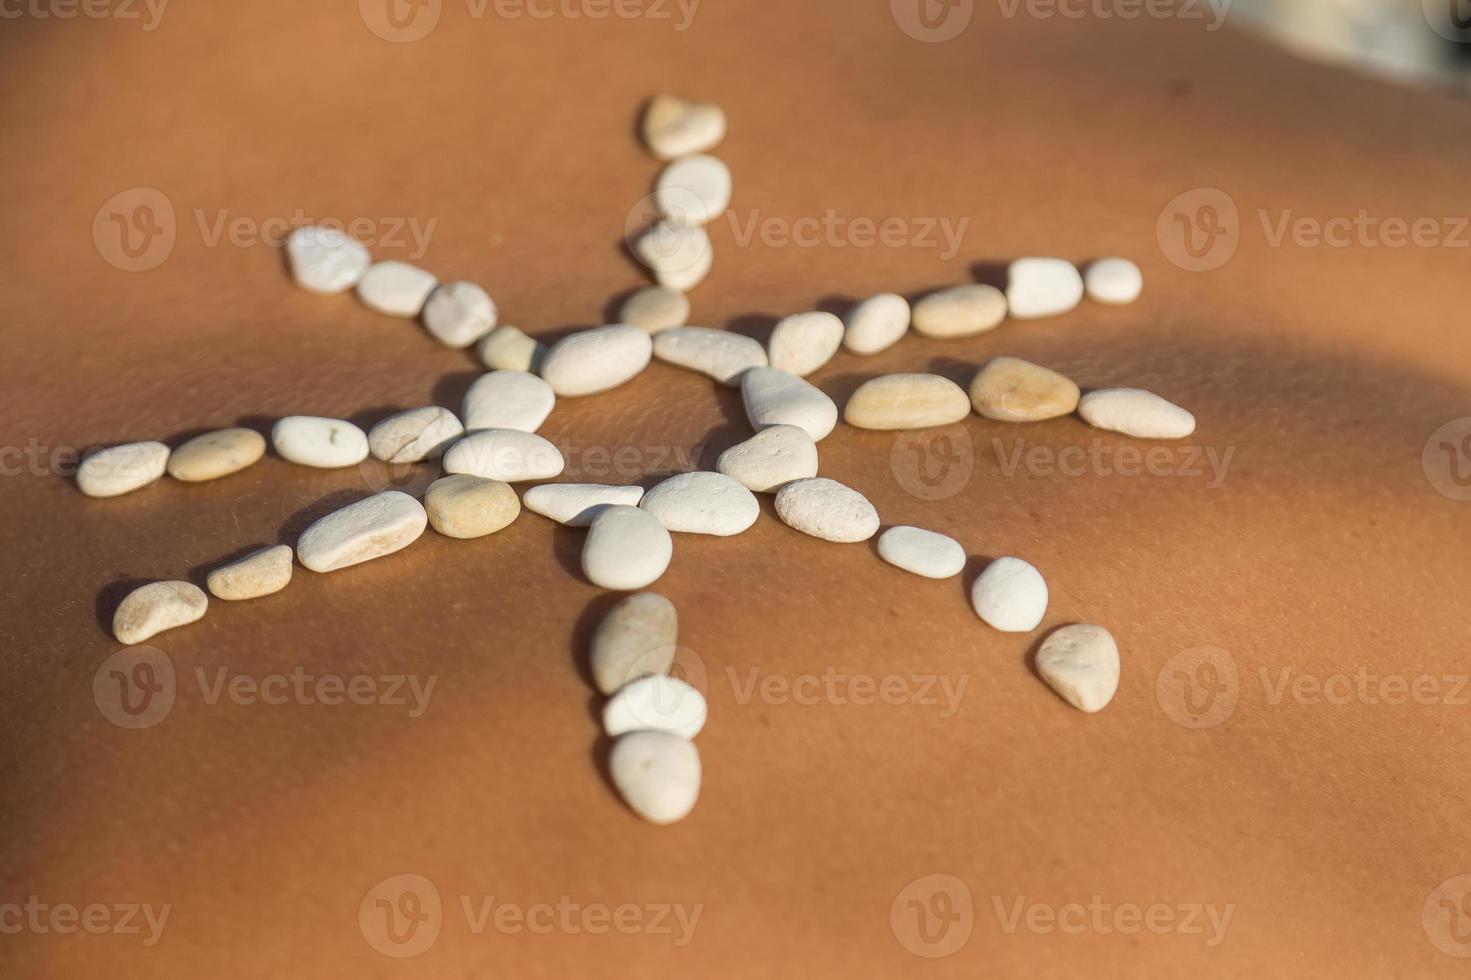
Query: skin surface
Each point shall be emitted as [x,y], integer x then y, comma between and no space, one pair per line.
[1322,822]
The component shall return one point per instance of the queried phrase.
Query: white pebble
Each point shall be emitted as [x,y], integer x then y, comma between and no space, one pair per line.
[675,127]
[597,360]
[637,638]
[158,606]
[828,510]
[508,455]
[1010,595]
[693,190]
[656,703]
[876,324]
[459,313]
[772,457]
[720,354]
[657,774]
[679,256]
[261,573]
[1042,287]
[922,552]
[507,400]
[415,435]
[775,397]
[702,503]
[380,525]
[328,444]
[509,349]
[576,504]
[626,549]
[118,470]
[396,288]
[805,342]
[1081,663]
[325,260]
[962,311]
[1116,281]
[1137,413]
[655,308]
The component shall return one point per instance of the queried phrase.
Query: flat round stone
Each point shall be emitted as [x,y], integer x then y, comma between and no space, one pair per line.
[576,504]
[907,401]
[774,456]
[1081,663]
[396,288]
[507,400]
[676,127]
[261,573]
[415,435]
[508,455]
[804,342]
[719,354]
[118,470]
[655,308]
[626,549]
[961,311]
[380,525]
[693,190]
[1009,389]
[922,552]
[326,261]
[510,349]
[457,314]
[828,510]
[151,609]
[876,324]
[1115,281]
[655,704]
[324,443]
[657,774]
[216,454]
[466,507]
[702,503]
[597,360]
[637,638]
[679,256]
[1134,412]
[775,397]
[1010,595]
[1042,287]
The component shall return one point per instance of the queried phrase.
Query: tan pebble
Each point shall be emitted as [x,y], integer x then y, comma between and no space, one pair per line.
[637,638]
[655,308]
[151,609]
[1009,389]
[675,127]
[465,506]
[260,573]
[962,311]
[509,349]
[907,401]
[1081,663]
[216,454]
[802,343]
[122,469]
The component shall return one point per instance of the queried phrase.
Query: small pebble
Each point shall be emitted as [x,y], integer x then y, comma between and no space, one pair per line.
[380,525]
[702,503]
[151,609]
[720,354]
[509,349]
[637,638]
[326,261]
[1116,281]
[396,288]
[1009,389]
[876,324]
[216,454]
[415,435]
[466,507]
[1010,595]
[926,553]
[693,190]
[805,342]
[459,313]
[576,504]
[1137,413]
[1081,663]
[772,457]
[657,774]
[962,311]
[828,510]
[508,455]
[597,360]
[626,549]
[324,443]
[775,397]
[655,308]
[679,256]
[507,400]
[907,401]
[1042,287]
[655,704]
[675,127]
[260,573]
[118,470]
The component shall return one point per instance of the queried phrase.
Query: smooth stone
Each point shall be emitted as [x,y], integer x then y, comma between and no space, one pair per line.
[656,308]
[962,311]
[679,256]
[458,314]
[1010,595]
[380,525]
[1009,389]
[702,503]
[1115,281]
[775,397]
[926,553]
[510,349]
[876,324]
[415,435]
[1081,663]
[509,455]
[216,454]
[122,469]
[657,774]
[635,639]
[464,506]
[626,549]
[805,342]
[675,127]
[1135,412]
[325,260]
[720,354]
[828,510]
[693,190]
[1042,287]
[655,704]
[158,606]
[576,504]
[396,288]
[907,401]
[597,360]
[772,457]
[507,400]
[260,573]
[324,443]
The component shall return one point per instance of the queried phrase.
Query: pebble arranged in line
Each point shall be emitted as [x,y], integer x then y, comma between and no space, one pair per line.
[260,573]
[396,288]
[415,435]
[151,609]
[1009,389]
[325,260]
[655,308]
[1042,287]
[1135,412]
[1114,281]
[676,127]
[961,311]
[719,354]
[576,504]
[775,456]
[828,510]
[508,455]
[775,397]
[1081,663]
[679,256]
[509,349]
[1010,595]
[693,190]
[907,401]
[380,525]
[597,360]
[458,314]
[926,553]
[626,549]
[508,400]
[656,704]
[703,503]
[657,774]
[216,454]
[805,342]
[117,470]
[328,444]
[635,639]
[876,324]
[468,507]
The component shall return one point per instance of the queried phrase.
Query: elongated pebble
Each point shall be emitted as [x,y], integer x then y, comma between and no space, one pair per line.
[396,288]
[679,256]
[1081,663]
[1042,287]
[828,510]
[260,573]
[626,549]
[635,639]
[1115,281]
[457,314]
[702,503]
[326,261]
[507,400]
[1009,389]
[158,606]
[508,455]
[1010,595]
[655,308]
[675,127]
[118,470]
[597,360]
[466,507]
[961,311]
[576,504]
[1135,412]
[415,435]
[804,342]
[926,553]
[907,401]
[380,525]
[720,354]
[510,349]
[772,457]
[775,397]
[324,443]
[655,704]
[876,324]
[657,774]
[216,454]
[693,190]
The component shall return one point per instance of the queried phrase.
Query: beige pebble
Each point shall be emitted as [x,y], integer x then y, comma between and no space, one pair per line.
[415,435]
[655,704]
[804,342]
[907,401]
[465,506]
[828,510]
[693,190]
[1081,663]
[324,443]
[657,774]
[373,528]
[926,553]
[396,288]
[510,349]
[675,127]
[1009,389]
[635,639]
[151,609]
[118,470]
[626,549]
[1115,281]
[702,503]
[576,504]
[325,260]
[1041,287]
[772,457]
[507,400]
[508,455]
[655,308]
[679,256]
[1010,595]
[876,324]
[1134,412]
[720,354]
[458,314]
[216,454]
[260,573]
[598,360]
[775,397]
[962,311]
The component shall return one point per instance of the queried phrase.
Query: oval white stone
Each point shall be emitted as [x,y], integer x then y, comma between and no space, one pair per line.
[657,773]
[122,469]
[1042,287]
[325,260]
[675,127]
[656,703]
[828,510]
[774,456]
[415,435]
[508,455]
[158,606]
[1010,595]
[508,400]
[1116,281]
[1081,663]
[775,397]
[459,313]
[1135,412]
[597,360]
[635,639]
[720,354]
[693,190]
[922,552]
[509,349]
[876,324]
[679,256]
[328,444]
[804,342]
[396,288]
[626,549]
[380,525]
[576,504]
[961,311]
[655,308]
[703,503]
